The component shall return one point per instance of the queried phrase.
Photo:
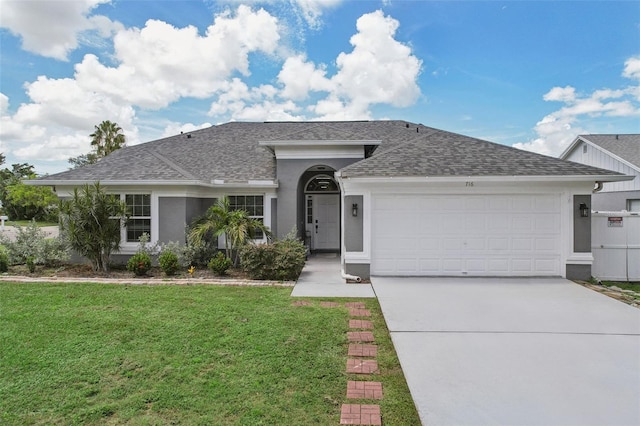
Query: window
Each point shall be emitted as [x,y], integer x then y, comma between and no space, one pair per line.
[322,183]
[253,205]
[633,205]
[139,207]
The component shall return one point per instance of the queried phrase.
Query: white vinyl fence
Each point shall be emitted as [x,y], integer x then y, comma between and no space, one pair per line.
[615,243]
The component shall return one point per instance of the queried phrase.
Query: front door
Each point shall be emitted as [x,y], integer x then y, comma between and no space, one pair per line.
[326,222]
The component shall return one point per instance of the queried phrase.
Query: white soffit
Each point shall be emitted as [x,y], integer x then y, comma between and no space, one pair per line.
[293,150]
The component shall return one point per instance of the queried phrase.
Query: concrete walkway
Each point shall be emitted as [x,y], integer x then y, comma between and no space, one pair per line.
[321,277]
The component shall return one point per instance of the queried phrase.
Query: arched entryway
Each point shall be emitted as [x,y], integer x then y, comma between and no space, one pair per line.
[321,209]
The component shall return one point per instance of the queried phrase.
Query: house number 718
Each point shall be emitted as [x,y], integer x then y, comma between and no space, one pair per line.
[468,184]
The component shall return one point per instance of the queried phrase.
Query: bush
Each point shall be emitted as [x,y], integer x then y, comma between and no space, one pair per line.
[31,264]
[32,242]
[4,259]
[220,263]
[198,253]
[282,260]
[169,262]
[139,263]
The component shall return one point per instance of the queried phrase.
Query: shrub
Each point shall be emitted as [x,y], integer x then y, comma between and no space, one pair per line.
[198,253]
[169,262]
[282,260]
[220,263]
[91,221]
[31,264]
[4,259]
[32,241]
[139,263]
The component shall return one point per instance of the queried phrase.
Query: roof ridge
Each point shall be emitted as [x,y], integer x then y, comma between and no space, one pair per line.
[173,165]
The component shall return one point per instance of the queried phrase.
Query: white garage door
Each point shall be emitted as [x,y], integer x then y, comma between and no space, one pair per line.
[477,235]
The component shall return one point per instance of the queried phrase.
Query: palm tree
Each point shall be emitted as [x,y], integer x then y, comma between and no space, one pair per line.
[236,225]
[108,137]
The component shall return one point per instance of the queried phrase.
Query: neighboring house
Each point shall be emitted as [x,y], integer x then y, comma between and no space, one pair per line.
[620,153]
[393,197]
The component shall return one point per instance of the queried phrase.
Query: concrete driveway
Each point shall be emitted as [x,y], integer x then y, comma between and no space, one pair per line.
[479,351]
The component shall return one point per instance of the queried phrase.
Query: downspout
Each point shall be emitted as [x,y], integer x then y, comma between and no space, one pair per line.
[344,275]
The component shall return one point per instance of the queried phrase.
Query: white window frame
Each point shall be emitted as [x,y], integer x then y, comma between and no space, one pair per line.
[261,217]
[125,245]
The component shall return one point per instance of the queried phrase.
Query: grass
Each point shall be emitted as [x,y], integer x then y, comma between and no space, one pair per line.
[634,286]
[144,355]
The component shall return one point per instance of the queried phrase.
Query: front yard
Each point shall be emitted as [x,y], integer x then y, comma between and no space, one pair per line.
[101,353]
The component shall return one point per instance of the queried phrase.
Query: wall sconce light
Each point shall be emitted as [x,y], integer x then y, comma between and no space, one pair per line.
[584,210]
[354,210]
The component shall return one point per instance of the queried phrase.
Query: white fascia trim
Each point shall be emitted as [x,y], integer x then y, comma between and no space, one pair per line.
[570,148]
[357,257]
[580,259]
[159,183]
[39,182]
[500,179]
[219,183]
[323,143]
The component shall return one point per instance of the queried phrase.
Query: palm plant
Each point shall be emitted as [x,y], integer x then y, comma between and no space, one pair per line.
[107,138]
[236,225]
[91,221]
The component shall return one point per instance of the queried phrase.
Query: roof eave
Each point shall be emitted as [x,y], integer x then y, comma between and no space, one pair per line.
[62,182]
[552,178]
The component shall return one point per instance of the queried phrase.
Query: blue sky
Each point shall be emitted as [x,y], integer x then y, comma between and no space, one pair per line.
[529,74]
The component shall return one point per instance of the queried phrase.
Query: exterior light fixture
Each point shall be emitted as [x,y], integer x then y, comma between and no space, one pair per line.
[354,210]
[584,210]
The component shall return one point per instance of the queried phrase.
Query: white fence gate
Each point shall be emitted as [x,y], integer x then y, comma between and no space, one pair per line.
[615,243]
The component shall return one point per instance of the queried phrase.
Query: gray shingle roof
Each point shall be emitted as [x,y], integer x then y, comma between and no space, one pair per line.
[231,152]
[444,154]
[626,147]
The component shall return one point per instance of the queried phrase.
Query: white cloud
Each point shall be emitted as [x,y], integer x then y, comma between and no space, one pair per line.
[310,11]
[379,70]
[51,28]
[561,94]
[558,129]
[173,129]
[632,68]
[160,63]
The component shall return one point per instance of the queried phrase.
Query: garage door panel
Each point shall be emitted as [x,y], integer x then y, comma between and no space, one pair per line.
[466,235]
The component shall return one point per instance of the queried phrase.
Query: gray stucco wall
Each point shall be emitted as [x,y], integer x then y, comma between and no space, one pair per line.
[361,270]
[578,272]
[175,213]
[353,226]
[581,225]
[290,187]
[613,201]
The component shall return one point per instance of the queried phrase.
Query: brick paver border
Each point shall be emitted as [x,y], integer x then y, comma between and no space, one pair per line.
[356,349]
[359,312]
[362,366]
[360,336]
[364,390]
[367,325]
[357,414]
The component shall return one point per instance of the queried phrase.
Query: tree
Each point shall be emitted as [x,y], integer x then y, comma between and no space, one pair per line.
[25,202]
[91,221]
[236,225]
[28,202]
[106,138]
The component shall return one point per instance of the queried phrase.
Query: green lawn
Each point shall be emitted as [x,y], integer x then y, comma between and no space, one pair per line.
[95,354]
